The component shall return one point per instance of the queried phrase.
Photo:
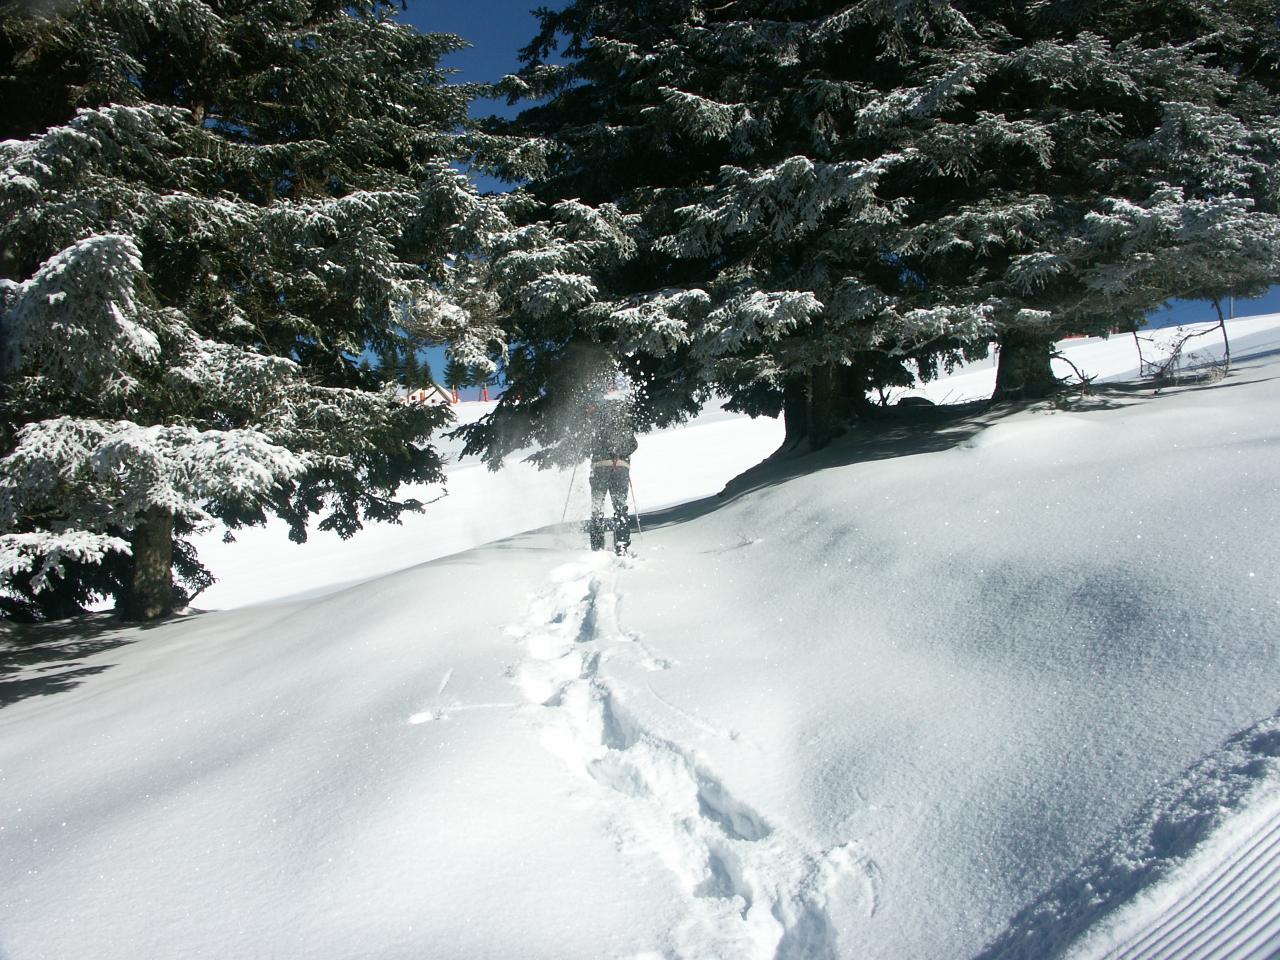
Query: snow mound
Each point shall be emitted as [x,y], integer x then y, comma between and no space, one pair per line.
[1007,692]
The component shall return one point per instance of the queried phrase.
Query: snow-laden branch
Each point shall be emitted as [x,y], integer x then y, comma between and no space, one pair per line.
[46,552]
[755,316]
[78,318]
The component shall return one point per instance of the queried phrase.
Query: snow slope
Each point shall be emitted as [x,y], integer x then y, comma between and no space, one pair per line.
[479,506]
[1004,690]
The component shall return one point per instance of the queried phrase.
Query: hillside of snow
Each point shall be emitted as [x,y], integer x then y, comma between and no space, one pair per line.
[1007,687]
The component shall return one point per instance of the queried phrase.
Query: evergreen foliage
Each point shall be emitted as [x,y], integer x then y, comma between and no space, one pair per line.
[794,202]
[412,370]
[456,373]
[208,211]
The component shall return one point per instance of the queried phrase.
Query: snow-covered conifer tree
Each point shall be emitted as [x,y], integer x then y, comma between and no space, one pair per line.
[711,212]
[796,202]
[1078,164]
[207,213]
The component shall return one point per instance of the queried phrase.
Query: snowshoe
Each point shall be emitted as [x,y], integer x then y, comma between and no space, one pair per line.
[596,527]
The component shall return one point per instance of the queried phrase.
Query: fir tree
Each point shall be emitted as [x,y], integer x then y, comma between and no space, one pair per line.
[412,369]
[797,202]
[391,366]
[456,374]
[207,215]
[1078,164]
[726,230]
[426,378]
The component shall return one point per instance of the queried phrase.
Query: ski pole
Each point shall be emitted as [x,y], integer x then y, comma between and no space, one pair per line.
[636,501]
[565,512]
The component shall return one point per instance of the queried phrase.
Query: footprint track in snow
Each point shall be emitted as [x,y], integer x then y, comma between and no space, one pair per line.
[753,890]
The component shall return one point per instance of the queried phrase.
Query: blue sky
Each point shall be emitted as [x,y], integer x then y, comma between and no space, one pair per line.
[1194,311]
[497,29]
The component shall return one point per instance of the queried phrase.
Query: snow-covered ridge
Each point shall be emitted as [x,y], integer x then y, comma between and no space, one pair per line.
[680,464]
[1010,695]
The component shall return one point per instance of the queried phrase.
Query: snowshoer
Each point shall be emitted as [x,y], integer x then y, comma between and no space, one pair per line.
[611,439]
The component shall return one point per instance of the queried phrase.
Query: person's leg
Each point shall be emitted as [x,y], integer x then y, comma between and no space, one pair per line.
[619,488]
[595,526]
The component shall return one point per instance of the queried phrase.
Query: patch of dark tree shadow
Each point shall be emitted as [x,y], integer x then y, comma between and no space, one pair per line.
[901,430]
[39,660]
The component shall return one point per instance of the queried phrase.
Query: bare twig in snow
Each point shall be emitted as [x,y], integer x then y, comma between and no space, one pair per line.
[1226,344]
[1085,381]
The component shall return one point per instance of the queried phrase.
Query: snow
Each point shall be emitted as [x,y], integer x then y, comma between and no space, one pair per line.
[1221,905]
[1007,689]
[690,461]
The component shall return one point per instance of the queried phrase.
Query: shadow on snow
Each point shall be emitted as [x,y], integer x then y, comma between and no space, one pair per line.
[38,660]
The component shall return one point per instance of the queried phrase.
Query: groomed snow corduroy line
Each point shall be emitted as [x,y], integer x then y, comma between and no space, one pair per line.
[1226,908]
[1234,912]
[1196,876]
[751,890]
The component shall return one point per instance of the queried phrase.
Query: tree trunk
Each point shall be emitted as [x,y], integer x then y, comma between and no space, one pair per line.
[152,595]
[854,379]
[795,411]
[828,405]
[1025,371]
[819,406]
[1226,344]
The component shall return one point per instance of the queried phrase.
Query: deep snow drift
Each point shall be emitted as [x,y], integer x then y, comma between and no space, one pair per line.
[1004,690]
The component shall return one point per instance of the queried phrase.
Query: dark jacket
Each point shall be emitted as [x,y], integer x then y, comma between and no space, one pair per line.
[610,433]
